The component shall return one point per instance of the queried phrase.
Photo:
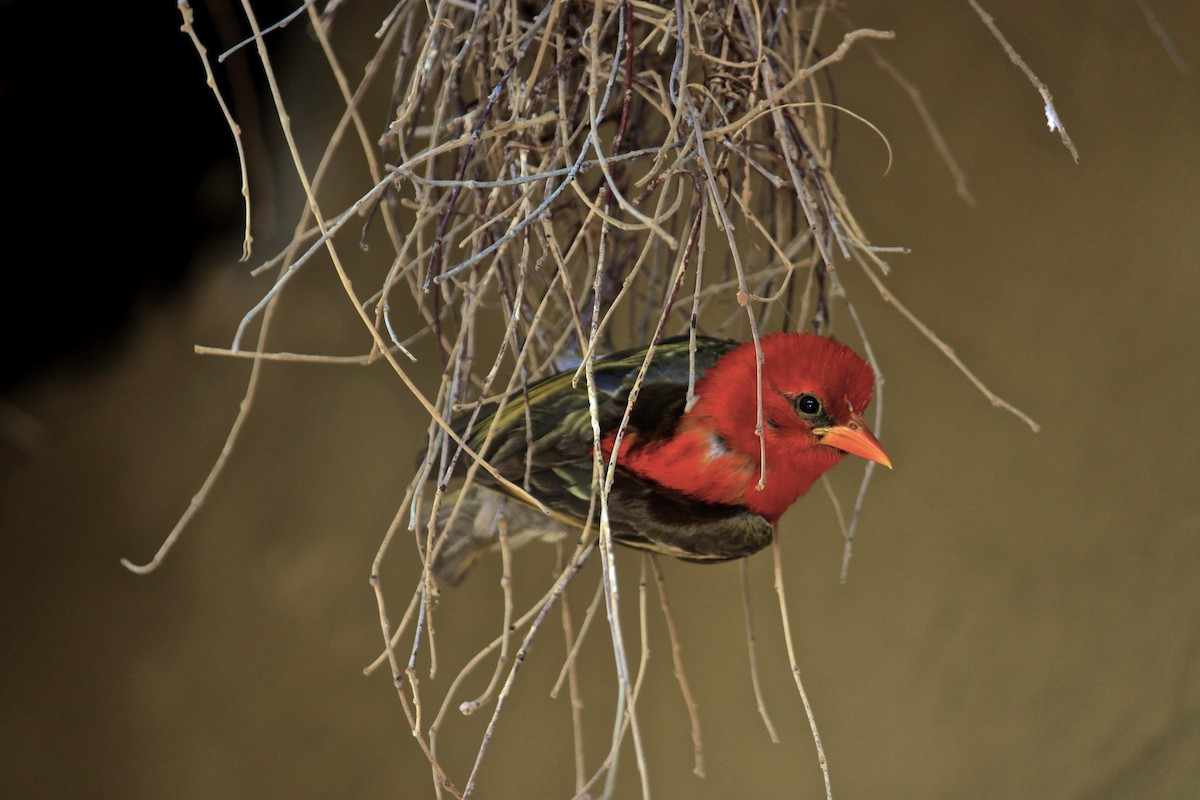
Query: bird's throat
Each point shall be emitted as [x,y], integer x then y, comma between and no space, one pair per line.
[700,464]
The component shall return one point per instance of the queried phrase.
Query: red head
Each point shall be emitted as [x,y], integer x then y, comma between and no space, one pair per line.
[814,391]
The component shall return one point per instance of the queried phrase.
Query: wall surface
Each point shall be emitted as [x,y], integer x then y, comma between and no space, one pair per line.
[1020,614]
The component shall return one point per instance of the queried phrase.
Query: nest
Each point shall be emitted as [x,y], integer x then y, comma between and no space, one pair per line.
[575,164]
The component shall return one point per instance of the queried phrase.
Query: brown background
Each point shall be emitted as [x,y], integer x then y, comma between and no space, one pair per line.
[1021,614]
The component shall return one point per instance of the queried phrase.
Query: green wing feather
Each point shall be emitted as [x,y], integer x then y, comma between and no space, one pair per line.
[557,416]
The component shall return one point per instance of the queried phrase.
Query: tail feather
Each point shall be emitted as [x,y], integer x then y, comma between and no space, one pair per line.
[464,537]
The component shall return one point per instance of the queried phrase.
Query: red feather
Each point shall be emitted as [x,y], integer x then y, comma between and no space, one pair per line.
[716,454]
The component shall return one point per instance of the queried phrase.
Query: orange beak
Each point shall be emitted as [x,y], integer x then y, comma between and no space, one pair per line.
[854,437]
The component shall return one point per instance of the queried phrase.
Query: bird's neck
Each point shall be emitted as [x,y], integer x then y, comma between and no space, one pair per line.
[700,463]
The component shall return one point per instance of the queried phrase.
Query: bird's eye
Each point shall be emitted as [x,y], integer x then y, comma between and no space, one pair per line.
[808,405]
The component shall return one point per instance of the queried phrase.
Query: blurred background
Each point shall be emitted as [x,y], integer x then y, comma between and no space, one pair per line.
[1020,618]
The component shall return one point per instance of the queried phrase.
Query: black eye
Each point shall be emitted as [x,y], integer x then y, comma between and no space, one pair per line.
[808,405]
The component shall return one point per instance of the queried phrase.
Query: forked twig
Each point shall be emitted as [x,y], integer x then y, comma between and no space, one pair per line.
[559,585]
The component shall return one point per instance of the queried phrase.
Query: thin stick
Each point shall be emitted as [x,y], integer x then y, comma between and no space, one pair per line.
[573,649]
[751,638]
[931,126]
[927,332]
[876,427]
[185,9]
[534,612]
[1053,120]
[680,675]
[777,551]
[304,358]
[559,585]
[1161,32]
[573,675]
[506,587]
[218,467]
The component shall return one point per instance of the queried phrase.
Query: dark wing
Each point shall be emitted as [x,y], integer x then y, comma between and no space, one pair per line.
[650,517]
[547,427]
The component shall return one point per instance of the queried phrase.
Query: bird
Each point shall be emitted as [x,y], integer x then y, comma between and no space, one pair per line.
[689,477]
